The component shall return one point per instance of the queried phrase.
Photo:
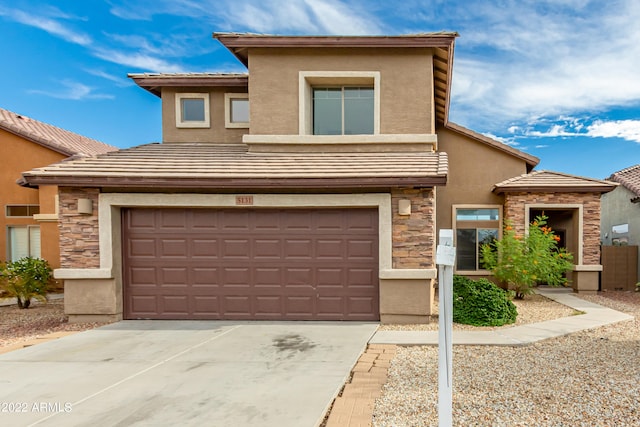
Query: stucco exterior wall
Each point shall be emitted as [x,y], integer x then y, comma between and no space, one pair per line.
[405,80]
[617,209]
[216,133]
[79,233]
[20,155]
[474,169]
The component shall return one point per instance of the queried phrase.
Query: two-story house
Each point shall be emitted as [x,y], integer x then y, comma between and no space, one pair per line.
[29,219]
[310,188]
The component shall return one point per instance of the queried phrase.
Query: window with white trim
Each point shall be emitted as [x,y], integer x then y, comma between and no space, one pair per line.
[339,102]
[24,211]
[192,110]
[23,241]
[345,110]
[474,227]
[236,110]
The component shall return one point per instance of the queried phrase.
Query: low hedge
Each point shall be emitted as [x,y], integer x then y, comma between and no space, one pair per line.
[481,303]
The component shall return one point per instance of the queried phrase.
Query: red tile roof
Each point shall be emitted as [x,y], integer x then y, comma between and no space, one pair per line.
[52,137]
[553,182]
[629,178]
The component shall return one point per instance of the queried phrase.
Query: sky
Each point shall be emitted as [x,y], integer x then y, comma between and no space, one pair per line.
[558,79]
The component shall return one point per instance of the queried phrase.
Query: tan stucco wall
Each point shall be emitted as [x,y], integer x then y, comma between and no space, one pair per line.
[215,133]
[20,155]
[474,168]
[405,85]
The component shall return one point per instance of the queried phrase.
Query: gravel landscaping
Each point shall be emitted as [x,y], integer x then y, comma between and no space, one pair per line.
[18,325]
[590,378]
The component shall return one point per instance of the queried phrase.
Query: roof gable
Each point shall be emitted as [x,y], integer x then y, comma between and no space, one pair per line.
[530,160]
[553,182]
[629,178]
[52,137]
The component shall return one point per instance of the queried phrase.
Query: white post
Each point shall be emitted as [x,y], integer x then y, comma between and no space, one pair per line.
[445,258]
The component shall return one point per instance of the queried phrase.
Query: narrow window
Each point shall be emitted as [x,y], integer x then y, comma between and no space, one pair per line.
[22,210]
[475,227]
[23,242]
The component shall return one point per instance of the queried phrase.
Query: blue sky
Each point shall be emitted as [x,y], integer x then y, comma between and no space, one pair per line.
[558,79]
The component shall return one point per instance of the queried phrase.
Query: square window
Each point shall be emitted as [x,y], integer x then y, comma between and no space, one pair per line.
[236,110]
[192,110]
[343,110]
[339,103]
[23,242]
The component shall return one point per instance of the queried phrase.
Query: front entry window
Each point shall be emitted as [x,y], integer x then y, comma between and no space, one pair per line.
[475,227]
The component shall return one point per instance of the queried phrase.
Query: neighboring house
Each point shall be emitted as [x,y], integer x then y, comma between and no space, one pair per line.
[29,219]
[311,188]
[620,223]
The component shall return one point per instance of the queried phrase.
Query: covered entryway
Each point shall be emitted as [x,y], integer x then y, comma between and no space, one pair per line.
[261,264]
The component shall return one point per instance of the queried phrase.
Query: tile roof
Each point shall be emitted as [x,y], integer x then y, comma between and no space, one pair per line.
[552,182]
[154,82]
[207,165]
[52,137]
[629,178]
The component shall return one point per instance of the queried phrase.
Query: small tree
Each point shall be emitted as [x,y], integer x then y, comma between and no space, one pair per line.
[522,262]
[26,278]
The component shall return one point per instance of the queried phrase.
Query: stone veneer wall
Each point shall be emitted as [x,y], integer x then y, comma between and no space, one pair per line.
[79,240]
[414,235]
[514,210]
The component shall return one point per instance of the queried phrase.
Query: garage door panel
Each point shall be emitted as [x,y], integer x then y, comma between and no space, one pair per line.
[298,264]
[142,248]
[204,248]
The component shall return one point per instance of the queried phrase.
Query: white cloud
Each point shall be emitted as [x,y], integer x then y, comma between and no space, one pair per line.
[49,25]
[72,91]
[137,60]
[544,58]
[625,129]
[120,81]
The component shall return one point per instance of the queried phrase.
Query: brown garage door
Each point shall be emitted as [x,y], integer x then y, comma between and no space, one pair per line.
[286,264]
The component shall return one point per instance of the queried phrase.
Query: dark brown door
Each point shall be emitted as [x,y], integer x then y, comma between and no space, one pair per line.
[267,264]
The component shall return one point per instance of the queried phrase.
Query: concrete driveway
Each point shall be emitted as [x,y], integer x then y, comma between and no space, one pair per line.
[182,373]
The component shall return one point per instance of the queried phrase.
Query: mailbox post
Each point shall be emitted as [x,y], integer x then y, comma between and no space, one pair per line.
[445,259]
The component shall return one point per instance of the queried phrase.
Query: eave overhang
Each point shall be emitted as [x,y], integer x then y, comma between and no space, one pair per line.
[154,82]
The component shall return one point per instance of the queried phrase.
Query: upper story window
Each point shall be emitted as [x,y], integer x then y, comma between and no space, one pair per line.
[343,110]
[22,210]
[192,110]
[236,110]
[339,103]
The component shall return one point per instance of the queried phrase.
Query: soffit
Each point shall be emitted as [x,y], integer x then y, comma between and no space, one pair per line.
[154,82]
[553,182]
[202,165]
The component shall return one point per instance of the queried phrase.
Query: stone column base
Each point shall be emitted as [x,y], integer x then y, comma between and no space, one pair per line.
[586,279]
[92,300]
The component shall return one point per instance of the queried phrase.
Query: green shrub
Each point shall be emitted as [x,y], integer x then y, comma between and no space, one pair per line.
[26,278]
[481,303]
[524,261]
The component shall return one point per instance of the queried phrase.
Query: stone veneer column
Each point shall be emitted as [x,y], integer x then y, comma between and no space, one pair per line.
[414,235]
[407,289]
[79,240]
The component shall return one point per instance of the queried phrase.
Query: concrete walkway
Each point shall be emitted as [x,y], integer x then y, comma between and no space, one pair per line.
[596,315]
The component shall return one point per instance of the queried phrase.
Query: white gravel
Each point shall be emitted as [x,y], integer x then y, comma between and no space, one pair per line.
[590,378]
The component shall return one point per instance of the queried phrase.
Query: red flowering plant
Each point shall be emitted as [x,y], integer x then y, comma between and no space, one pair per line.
[522,262]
